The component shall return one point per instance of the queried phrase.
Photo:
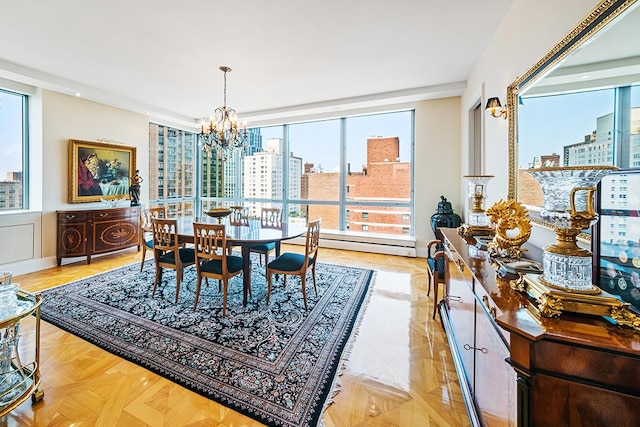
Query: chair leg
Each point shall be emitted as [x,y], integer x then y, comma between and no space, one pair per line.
[195,303]
[435,297]
[268,286]
[304,292]
[144,252]
[224,297]
[313,275]
[178,279]
[157,281]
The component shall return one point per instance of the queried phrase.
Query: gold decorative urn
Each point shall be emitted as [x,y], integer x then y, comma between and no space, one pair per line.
[566,283]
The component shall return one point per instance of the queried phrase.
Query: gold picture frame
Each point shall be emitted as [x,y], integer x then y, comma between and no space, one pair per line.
[99,171]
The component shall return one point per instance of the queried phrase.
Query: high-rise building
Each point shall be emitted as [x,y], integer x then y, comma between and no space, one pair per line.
[263,175]
[171,167]
[11,191]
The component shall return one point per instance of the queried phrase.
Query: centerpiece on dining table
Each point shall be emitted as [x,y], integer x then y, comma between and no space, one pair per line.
[219,213]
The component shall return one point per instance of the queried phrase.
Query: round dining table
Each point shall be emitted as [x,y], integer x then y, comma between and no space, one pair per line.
[248,233]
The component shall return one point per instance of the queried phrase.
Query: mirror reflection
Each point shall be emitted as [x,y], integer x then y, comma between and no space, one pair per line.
[586,111]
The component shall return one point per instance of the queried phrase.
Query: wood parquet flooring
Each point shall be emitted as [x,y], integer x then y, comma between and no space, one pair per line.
[399,372]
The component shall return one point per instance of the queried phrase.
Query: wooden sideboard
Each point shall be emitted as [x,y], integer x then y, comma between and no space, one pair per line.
[515,369]
[96,231]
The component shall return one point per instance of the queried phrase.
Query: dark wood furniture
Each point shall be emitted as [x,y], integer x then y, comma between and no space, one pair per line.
[575,370]
[244,235]
[96,231]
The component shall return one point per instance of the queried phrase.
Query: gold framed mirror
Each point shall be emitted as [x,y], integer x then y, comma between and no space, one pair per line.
[563,71]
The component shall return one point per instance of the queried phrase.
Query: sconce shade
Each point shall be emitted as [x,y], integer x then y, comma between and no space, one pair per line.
[493,103]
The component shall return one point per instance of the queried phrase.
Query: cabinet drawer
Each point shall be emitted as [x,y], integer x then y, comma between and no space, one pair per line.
[72,216]
[102,215]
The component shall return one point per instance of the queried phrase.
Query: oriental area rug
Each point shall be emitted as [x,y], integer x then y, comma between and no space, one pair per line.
[275,363]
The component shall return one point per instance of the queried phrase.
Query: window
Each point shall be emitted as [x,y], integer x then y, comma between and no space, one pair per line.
[330,169]
[13,146]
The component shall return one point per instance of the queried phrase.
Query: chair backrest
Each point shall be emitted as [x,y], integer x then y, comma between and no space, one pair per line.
[238,215]
[313,238]
[165,234]
[210,241]
[147,214]
[271,217]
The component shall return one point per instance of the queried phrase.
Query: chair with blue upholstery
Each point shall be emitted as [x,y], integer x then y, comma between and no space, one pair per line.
[269,217]
[212,259]
[297,264]
[146,231]
[436,270]
[168,253]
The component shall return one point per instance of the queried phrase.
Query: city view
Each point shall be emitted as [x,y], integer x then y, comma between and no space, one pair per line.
[309,182]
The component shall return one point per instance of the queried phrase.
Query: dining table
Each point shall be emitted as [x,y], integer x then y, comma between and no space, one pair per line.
[245,234]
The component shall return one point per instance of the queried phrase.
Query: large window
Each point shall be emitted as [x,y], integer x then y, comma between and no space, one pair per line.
[331,169]
[171,169]
[355,173]
[13,149]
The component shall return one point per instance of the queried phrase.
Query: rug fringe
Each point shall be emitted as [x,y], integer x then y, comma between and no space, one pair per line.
[336,386]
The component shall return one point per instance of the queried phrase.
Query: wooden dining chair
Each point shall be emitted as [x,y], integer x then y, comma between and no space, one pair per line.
[270,218]
[212,259]
[239,215]
[297,264]
[168,253]
[436,270]
[146,230]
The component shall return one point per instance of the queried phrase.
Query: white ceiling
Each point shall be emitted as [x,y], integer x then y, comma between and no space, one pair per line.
[162,57]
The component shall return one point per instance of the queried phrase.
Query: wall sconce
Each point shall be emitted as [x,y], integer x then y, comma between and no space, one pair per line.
[496,109]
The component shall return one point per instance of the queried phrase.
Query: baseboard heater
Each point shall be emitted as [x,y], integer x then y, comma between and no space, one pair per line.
[374,243]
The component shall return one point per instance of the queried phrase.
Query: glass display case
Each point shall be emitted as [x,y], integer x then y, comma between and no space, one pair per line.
[19,348]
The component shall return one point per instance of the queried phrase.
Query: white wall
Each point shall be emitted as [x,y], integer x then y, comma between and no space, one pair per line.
[437,158]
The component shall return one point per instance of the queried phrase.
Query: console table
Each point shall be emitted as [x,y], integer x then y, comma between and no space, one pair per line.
[96,231]
[515,369]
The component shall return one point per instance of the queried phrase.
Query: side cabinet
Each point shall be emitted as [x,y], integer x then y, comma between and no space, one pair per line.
[479,347]
[88,232]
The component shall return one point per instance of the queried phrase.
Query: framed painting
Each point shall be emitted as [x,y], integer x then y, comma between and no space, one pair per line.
[99,171]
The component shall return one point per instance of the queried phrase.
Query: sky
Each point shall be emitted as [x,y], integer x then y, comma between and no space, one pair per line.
[547,124]
[10,134]
[319,142]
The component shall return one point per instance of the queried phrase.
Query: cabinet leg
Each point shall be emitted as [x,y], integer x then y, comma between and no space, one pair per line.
[59,261]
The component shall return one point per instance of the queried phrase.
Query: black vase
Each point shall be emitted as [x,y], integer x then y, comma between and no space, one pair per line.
[444,217]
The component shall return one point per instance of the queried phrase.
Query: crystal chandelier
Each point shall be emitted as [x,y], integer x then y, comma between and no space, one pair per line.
[223,133]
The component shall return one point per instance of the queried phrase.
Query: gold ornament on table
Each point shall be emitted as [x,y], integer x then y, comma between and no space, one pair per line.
[512,229]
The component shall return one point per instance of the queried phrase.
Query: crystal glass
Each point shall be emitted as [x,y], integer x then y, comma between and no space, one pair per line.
[477,193]
[568,206]
[8,298]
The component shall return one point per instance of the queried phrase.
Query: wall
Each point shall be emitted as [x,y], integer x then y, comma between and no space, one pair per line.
[57,119]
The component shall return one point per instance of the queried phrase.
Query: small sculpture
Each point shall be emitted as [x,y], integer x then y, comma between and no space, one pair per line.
[512,229]
[134,189]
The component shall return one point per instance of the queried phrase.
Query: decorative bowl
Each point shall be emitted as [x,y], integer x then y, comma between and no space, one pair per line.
[219,213]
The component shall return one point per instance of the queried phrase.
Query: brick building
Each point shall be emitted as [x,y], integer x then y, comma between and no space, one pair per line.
[383,179]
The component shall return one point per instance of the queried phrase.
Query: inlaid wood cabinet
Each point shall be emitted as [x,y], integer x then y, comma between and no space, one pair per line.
[96,231]
[516,369]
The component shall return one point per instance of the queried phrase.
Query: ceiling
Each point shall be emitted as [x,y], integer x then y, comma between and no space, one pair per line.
[162,57]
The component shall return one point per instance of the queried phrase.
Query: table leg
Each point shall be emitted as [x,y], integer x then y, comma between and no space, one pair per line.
[246,272]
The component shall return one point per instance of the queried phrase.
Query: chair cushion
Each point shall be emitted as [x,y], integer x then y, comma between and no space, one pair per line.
[265,247]
[234,264]
[187,256]
[436,267]
[149,244]
[289,262]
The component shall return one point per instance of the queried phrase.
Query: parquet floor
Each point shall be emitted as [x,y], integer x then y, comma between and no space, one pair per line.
[399,373]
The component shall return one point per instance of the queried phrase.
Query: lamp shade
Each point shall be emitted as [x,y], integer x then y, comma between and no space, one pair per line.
[493,103]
